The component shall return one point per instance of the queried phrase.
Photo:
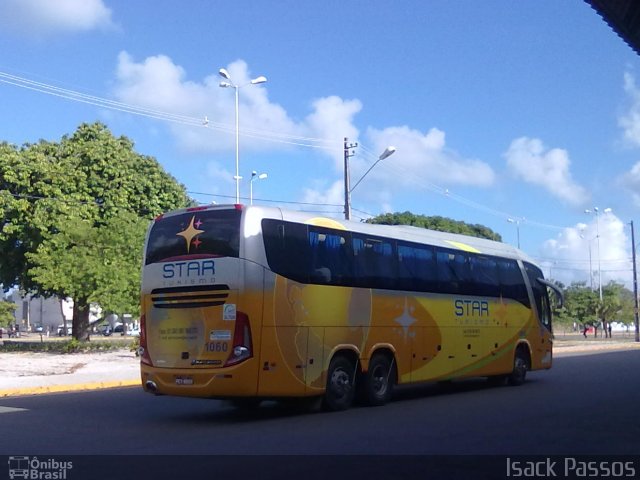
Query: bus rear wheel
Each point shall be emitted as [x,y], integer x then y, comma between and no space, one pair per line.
[379,380]
[340,389]
[520,367]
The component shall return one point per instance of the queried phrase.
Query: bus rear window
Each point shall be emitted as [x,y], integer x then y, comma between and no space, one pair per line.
[196,234]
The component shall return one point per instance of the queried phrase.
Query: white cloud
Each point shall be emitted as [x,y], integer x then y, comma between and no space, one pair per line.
[529,160]
[631,181]
[157,83]
[332,118]
[575,250]
[321,194]
[424,158]
[630,121]
[42,17]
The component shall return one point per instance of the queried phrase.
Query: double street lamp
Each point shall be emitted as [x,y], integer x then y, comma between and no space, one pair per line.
[229,84]
[597,214]
[517,222]
[347,177]
[254,176]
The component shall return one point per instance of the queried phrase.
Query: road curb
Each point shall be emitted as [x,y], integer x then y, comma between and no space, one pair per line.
[25,391]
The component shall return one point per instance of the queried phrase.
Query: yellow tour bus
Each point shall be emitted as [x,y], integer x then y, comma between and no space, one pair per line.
[248,303]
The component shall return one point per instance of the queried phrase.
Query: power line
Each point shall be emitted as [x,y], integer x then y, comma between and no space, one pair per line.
[275,137]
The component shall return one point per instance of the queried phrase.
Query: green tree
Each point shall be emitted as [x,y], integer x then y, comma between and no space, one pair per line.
[93,264]
[580,304]
[84,200]
[441,224]
[7,310]
[627,308]
[611,304]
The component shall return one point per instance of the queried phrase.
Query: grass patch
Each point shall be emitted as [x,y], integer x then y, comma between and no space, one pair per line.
[67,346]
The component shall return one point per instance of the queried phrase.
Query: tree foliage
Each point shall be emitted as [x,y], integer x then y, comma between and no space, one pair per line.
[579,304]
[583,305]
[441,224]
[7,310]
[74,214]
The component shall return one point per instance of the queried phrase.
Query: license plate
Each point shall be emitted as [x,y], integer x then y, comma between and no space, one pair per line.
[184,381]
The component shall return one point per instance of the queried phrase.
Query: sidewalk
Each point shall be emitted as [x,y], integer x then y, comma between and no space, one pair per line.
[25,373]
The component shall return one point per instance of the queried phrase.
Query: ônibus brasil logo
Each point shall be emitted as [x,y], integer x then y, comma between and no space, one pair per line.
[38,469]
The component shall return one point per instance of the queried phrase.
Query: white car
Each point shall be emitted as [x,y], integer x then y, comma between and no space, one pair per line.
[61,330]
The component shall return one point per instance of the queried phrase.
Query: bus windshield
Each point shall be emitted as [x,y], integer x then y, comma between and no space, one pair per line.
[194,234]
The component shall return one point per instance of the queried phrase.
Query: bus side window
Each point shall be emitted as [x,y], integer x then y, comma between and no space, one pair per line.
[540,294]
[373,262]
[484,276]
[416,267]
[512,282]
[331,257]
[287,249]
[453,272]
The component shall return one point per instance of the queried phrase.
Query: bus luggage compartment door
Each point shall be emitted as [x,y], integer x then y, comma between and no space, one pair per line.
[283,361]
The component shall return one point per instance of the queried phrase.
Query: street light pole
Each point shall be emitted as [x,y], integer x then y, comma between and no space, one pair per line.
[597,213]
[635,282]
[261,79]
[517,222]
[347,175]
[254,175]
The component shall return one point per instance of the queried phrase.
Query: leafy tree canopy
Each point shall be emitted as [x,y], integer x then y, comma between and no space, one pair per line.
[583,305]
[6,313]
[73,217]
[441,224]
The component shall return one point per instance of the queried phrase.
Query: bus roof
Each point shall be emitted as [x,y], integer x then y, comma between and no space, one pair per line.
[400,232]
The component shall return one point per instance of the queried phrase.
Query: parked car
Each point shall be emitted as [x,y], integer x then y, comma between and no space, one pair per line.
[61,332]
[38,329]
[105,330]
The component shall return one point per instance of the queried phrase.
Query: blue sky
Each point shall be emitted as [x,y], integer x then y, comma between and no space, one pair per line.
[499,110]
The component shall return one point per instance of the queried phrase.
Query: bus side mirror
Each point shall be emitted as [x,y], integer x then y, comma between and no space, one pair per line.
[556,290]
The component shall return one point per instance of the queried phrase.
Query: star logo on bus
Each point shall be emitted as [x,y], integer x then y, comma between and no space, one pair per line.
[406,320]
[191,232]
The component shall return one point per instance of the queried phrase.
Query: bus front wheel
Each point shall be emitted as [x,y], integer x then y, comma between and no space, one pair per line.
[520,367]
[379,380]
[340,389]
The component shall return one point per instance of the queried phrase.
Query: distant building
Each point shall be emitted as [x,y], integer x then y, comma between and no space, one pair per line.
[49,312]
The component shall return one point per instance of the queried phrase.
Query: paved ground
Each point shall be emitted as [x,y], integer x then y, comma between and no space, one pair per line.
[35,373]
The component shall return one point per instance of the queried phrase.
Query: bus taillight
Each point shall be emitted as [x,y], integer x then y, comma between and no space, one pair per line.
[142,350]
[242,345]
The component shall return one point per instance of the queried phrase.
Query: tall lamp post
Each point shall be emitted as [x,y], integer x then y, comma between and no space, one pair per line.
[347,176]
[254,176]
[635,283]
[229,84]
[597,214]
[517,222]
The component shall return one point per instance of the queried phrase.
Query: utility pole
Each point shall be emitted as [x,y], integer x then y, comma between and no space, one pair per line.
[635,281]
[347,180]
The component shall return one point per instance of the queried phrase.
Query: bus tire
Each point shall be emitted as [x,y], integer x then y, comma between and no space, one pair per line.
[520,367]
[340,390]
[379,380]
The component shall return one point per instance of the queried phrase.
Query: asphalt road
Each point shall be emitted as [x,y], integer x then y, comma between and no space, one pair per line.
[584,405]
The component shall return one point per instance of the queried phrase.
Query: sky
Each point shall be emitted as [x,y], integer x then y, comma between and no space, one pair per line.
[515,115]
